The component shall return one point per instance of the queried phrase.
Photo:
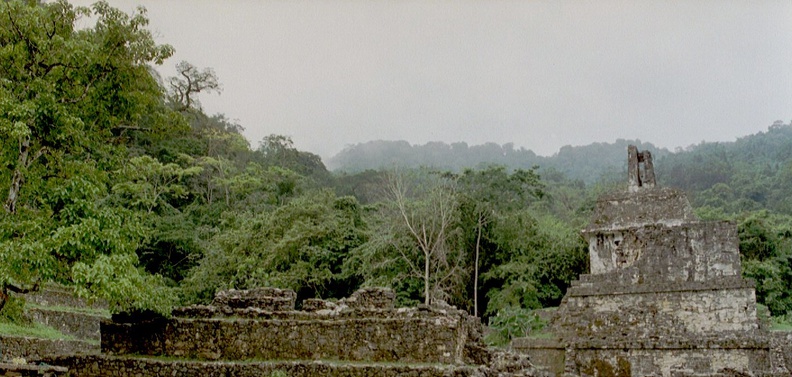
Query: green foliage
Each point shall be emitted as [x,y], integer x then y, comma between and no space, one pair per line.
[117,279]
[781,323]
[750,174]
[147,184]
[485,195]
[13,311]
[757,241]
[766,250]
[538,259]
[68,97]
[301,245]
[512,322]
[279,150]
[773,282]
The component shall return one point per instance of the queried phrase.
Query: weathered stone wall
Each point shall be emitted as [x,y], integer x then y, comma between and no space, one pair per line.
[406,336]
[31,370]
[665,206]
[548,354]
[76,324]
[96,366]
[698,251]
[371,298]
[658,314]
[781,356]
[36,348]
[359,336]
[659,361]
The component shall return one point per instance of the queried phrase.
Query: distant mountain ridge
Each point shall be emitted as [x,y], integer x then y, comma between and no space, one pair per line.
[586,163]
[751,173]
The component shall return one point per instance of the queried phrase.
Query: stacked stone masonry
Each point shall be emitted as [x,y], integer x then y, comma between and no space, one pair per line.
[100,366]
[72,323]
[400,338]
[272,299]
[363,335]
[35,349]
[371,330]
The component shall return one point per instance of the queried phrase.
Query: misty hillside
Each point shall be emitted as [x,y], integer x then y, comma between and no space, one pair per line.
[754,159]
[751,173]
[586,163]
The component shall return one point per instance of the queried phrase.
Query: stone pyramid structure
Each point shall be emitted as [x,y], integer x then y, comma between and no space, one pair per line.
[664,296]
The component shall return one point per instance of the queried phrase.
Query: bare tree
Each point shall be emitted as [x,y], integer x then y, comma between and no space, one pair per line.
[428,213]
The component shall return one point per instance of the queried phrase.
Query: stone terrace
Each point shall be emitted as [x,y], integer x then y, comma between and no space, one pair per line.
[258,332]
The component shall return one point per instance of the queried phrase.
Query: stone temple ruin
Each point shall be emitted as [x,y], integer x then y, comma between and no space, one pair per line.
[664,296]
[259,333]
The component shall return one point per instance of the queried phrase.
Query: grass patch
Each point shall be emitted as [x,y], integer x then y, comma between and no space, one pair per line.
[781,327]
[781,323]
[35,330]
[777,325]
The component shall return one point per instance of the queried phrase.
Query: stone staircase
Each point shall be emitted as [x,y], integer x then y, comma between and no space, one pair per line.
[57,307]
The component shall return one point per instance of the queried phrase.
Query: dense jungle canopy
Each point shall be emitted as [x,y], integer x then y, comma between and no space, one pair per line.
[116,183]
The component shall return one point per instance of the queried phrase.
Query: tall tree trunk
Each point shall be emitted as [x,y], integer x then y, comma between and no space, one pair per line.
[476,268]
[426,279]
[18,178]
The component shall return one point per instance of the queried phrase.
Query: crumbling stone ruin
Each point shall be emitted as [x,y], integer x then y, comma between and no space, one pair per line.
[638,178]
[259,333]
[664,296]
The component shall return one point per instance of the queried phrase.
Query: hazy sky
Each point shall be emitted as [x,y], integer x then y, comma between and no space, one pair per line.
[539,74]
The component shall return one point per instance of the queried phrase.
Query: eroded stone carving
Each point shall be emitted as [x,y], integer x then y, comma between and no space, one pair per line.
[639,178]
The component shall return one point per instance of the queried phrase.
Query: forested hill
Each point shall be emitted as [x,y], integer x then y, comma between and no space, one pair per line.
[586,163]
[752,173]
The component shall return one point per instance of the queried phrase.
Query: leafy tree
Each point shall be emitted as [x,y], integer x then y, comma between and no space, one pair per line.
[365,186]
[67,99]
[757,240]
[149,184]
[538,257]
[301,245]
[63,91]
[188,82]
[279,150]
[486,195]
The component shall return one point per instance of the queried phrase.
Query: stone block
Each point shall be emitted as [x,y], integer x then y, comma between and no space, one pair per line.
[271,299]
[371,298]
[315,305]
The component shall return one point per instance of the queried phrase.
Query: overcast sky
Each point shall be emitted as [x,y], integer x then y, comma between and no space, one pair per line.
[539,74]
